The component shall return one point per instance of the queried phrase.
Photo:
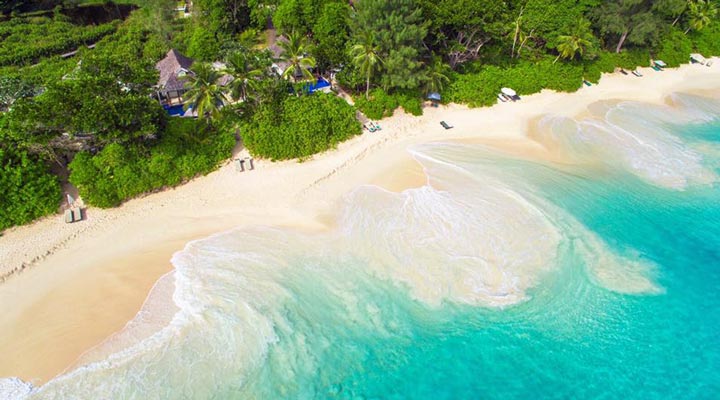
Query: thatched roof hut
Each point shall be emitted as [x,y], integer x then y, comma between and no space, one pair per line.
[172,70]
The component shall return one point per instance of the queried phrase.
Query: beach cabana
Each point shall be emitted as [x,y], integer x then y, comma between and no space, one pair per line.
[172,84]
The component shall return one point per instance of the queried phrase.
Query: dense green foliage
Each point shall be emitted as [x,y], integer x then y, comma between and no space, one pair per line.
[380,104]
[23,41]
[707,41]
[400,32]
[187,148]
[481,88]
[27,190]
[299,126]
[675,48]
[98,106]
[332,33]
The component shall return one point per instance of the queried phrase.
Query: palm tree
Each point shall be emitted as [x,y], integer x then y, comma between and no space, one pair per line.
[519,36]
[365,57]
[295,50]
[576,43]
[205,96]
[437,75]
[701,13]
[246,71]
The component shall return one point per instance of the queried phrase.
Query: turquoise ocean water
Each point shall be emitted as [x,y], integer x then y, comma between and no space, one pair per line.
[503,278]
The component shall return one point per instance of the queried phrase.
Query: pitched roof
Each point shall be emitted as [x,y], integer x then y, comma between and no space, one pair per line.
[174,82]
[171,65]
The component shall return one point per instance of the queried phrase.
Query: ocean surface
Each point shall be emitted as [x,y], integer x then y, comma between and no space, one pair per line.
[595,277]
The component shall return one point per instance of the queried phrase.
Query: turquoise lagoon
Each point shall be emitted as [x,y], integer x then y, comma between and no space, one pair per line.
[502,278]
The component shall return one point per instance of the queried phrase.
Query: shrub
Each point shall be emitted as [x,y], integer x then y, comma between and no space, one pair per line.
[382,104]
[675,48]
[187,148]
[707,40]
[631,59]
[605,62]
[378,106]
[350,77]
[299,126]
[481,88]
[410,101]
[27,190]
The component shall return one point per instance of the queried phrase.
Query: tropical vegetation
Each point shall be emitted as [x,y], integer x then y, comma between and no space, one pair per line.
[92,114]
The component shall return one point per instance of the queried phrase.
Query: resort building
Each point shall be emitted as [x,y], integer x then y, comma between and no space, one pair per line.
[172,83]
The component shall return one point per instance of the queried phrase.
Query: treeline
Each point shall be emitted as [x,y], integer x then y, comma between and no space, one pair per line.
[422,45]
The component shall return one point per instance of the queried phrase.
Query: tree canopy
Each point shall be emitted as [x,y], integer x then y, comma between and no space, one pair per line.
[299,126]
[400,32]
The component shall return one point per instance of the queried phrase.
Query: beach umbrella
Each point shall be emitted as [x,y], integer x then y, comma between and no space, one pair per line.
[434,96]
[508,92]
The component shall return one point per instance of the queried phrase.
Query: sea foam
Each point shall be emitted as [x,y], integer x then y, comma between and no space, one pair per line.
[637,137]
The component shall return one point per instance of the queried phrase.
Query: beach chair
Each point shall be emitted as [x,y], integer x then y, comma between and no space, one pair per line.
[637,73]
[587,83]
[446,125]
[369,127]
[622,71]
[77,214]
[239,165]
[69,217]
[656,68]
[502,98]
[377,127]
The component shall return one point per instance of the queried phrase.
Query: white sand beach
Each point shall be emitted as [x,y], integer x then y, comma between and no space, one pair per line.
[67,287]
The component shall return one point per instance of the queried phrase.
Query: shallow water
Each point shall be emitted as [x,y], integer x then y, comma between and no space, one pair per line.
[502,278]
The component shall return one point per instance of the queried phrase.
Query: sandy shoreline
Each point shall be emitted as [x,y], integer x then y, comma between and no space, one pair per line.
[82,282]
